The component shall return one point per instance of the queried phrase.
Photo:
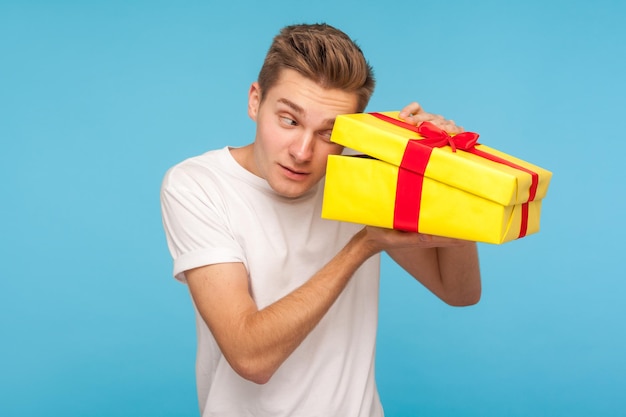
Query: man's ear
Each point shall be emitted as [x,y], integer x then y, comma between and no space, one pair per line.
[254,100]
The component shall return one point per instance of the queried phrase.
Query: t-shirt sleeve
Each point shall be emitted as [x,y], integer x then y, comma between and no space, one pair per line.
[196,223]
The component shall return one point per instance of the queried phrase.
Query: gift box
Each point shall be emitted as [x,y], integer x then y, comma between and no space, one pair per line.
[421,179]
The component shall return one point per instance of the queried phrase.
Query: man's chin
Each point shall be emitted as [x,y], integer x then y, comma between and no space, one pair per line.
[291,190]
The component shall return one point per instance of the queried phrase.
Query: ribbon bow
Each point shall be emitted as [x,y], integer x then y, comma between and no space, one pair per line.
[436,137]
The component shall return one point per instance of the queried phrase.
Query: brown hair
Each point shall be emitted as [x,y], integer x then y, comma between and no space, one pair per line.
[320,53]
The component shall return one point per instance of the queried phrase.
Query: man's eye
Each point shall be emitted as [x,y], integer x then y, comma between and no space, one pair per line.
[288,121]
[325,134]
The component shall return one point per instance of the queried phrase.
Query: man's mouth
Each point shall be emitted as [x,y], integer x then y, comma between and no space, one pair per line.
[293,172]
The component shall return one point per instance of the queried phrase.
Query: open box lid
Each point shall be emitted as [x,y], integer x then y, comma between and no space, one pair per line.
[482,171]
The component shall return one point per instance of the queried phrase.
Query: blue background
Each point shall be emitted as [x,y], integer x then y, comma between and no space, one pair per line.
[98,99]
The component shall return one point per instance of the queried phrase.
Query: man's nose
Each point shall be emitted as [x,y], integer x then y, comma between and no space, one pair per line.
[301,149]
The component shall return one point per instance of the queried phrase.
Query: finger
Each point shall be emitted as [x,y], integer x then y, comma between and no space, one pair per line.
[415,114]
[448,125]
[410,110]
[456,129]
[422,116]
[441,241]
[435,119]
[453,128]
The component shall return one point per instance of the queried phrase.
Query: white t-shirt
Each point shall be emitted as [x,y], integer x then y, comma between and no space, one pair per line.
[215,211]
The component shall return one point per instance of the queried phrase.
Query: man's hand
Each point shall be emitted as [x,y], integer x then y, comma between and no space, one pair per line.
[380,239]
[414,114]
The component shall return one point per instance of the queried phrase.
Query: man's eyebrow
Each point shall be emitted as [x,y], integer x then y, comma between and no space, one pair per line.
[300,111]
[291,105]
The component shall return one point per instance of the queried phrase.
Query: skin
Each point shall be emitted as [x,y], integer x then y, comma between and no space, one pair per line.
[294,120]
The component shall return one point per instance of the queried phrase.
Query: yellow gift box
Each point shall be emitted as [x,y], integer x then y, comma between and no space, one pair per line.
[422,179]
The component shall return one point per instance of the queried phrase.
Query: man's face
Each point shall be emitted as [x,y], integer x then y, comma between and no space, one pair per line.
[294,122]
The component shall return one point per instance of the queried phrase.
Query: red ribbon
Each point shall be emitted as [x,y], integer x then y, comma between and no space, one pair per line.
[435,137]
[415,159]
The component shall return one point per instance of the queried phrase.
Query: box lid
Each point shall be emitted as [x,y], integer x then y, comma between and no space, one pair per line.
[482,171]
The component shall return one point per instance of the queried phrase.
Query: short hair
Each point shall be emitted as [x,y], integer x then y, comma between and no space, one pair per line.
[322,54]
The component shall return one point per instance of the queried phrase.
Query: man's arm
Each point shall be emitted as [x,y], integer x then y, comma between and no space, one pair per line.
[449,268]
[450,271]
[256,342]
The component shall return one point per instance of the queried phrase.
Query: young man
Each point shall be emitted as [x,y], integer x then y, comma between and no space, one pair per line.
[286,302]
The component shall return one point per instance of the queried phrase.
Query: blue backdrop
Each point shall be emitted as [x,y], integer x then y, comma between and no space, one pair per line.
[98,99]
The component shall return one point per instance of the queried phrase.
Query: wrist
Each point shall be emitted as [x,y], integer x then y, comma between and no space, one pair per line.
[363,246]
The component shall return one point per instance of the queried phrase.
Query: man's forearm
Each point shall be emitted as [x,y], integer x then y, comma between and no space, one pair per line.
[449,268]
[264,339]
[460,274]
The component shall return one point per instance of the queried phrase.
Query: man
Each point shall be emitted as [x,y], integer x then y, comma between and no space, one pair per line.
[286,302]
